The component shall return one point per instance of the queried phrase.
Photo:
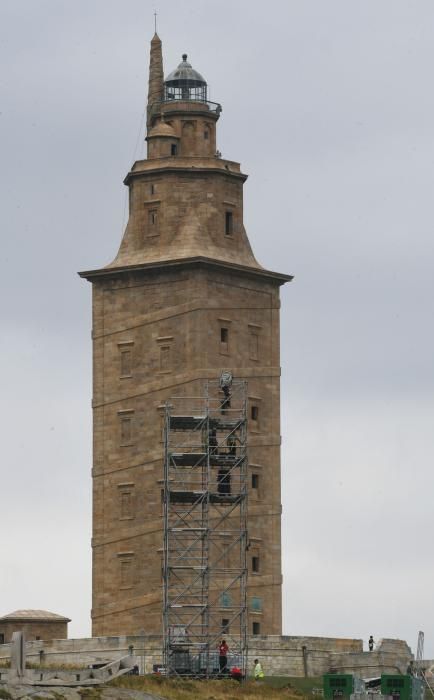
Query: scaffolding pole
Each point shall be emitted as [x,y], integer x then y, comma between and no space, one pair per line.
[205,531]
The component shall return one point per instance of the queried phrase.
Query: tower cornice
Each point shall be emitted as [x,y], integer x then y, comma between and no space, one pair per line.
[278,278]
[190,164]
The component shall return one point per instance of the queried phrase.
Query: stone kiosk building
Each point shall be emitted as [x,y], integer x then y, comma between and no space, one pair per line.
[36,624]
[183,300]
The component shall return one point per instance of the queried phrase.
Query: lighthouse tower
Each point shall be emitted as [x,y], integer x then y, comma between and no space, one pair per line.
[183,300]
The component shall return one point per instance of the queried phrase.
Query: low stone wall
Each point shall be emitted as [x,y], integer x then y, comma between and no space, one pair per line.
[92,650]
[298,656]
[390,656]
[289,656]
[369,664]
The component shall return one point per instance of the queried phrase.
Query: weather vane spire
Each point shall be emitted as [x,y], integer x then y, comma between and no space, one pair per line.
[155,20]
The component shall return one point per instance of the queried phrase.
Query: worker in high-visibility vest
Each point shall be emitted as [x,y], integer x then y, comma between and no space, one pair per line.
[259,674]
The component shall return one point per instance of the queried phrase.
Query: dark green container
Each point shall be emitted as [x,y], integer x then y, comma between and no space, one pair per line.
[338,685]
[402,687]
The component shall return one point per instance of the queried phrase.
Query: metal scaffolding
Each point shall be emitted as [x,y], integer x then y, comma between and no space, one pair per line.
[205,531]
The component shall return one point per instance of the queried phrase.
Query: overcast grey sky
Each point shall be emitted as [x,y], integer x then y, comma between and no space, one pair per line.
[329,106]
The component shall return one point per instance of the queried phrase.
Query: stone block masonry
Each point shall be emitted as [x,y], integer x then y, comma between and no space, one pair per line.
[279,655]
[183,300]
[35,624]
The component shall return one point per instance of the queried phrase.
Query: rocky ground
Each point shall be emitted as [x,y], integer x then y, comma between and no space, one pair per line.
[26,692]
[159,688]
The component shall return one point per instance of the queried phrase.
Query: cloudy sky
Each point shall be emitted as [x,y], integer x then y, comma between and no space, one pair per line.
[329,106]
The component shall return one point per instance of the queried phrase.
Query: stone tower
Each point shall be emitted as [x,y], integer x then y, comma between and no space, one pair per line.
[183,300]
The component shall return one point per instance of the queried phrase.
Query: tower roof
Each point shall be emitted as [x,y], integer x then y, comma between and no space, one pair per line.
[183,74]
[187,205]
[162,129]
[33,615]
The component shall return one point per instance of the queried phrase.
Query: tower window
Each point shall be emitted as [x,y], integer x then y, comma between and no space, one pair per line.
[126,566]
[153,217]
[229,223]
[225,598]
[125,348]
[125,431]
[126,363]
[253,346]
[126,504]
[126,418]
[206,134]
[225,625]
[152,221]
[152,188]
[255,481]
[224,339]
[256,604]
[254,413]
[173,149]
[126,501]
[255,565]
[165,358]
[256,628]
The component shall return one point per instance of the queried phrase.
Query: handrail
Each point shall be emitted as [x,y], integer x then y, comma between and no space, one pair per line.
[213,107]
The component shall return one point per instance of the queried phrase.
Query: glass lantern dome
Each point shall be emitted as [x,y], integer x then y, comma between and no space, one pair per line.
[185,83]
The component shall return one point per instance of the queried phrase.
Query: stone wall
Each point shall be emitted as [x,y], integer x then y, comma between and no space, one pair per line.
[33,629]
[279,655]
[183,300]
[299,656]
[390,656]
[92,650]
[182,312]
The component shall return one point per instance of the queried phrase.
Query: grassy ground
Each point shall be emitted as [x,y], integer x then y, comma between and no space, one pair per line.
[278,687]
[306,686]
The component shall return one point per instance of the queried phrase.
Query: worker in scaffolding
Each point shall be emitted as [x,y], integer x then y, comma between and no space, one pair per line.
[231,442]
[226,401]
[223,656]
[224,474]
[212,441]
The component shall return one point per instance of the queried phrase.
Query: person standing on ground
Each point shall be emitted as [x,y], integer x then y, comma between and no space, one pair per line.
[371,643]
[223,656]
[259,674]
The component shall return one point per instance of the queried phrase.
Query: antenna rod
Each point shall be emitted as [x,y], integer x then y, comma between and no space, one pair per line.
[155,21]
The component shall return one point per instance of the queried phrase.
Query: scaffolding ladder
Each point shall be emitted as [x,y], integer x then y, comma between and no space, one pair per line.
[205,531]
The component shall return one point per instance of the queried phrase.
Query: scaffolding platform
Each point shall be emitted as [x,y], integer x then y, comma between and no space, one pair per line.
[194,422]
[193,459]
[193,496]
[205,529]
[187,459]
[186,422]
